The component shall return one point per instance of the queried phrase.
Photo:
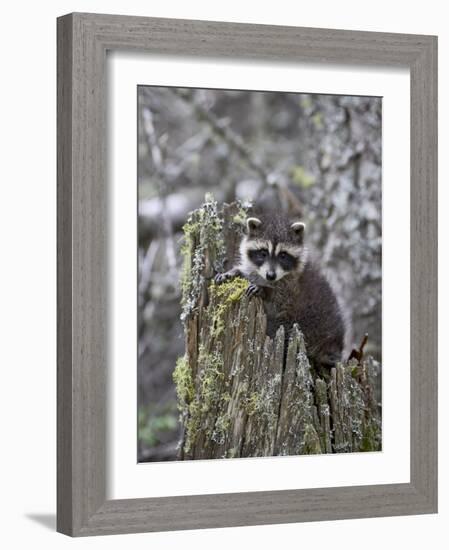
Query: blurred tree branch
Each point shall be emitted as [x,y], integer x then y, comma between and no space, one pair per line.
[224,132]
[156,154]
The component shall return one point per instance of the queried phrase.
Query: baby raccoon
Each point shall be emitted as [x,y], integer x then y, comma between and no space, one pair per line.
[275,262]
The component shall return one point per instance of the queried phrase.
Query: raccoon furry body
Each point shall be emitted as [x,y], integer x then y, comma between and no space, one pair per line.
[273,258]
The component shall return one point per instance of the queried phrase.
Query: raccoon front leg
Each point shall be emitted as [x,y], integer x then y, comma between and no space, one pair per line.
[228,275]
[254,290]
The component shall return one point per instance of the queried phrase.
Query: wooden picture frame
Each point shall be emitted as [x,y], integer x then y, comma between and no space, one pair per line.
[83,40]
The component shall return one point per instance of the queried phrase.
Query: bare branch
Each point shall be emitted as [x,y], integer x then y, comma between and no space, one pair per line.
[157,157]
[224,132]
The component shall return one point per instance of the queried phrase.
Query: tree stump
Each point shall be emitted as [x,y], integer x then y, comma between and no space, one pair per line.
[240,393]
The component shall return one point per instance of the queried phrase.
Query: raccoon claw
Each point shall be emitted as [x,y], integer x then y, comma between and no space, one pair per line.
[222,278]
[253,290]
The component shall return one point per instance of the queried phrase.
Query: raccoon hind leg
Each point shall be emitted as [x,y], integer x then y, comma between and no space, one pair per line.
[329,360]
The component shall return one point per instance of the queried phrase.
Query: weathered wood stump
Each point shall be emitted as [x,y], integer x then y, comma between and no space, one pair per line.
[240,393]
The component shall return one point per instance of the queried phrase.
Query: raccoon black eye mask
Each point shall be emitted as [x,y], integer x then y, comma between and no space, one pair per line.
[284,259]
[287,261]
[258,256]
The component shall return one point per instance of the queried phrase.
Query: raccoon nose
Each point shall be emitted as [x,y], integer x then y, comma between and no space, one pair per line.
[271,275]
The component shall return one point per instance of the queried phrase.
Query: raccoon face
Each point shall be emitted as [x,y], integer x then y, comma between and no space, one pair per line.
[270,257]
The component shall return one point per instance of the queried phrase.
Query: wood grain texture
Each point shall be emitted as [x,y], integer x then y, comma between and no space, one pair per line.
[424,260]
[83,40]
[64,277]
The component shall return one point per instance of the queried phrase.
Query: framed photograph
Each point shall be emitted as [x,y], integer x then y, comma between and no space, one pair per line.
[247,280]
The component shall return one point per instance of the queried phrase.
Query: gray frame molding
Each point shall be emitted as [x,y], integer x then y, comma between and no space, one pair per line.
[83,40]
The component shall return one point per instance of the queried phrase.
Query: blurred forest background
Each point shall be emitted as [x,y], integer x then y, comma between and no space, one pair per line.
[316,156]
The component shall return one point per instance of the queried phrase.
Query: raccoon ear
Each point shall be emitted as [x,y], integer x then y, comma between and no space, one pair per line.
[298,229]
[252,224]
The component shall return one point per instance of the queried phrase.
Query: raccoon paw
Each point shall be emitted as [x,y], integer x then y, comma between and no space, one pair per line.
[253,290]
[223,277]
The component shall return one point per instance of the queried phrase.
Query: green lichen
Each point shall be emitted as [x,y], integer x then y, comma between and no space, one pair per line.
[203,235]
[221,429]
[182,377]
[230,291]
[270,399]
[187,404]
[192,425]
[252,404]
[233,452]
[311,441]
[240,216]
[211,378]
[354,399]
[265,402]
[191,231]
[223,297]
[211,396]
[370,440]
